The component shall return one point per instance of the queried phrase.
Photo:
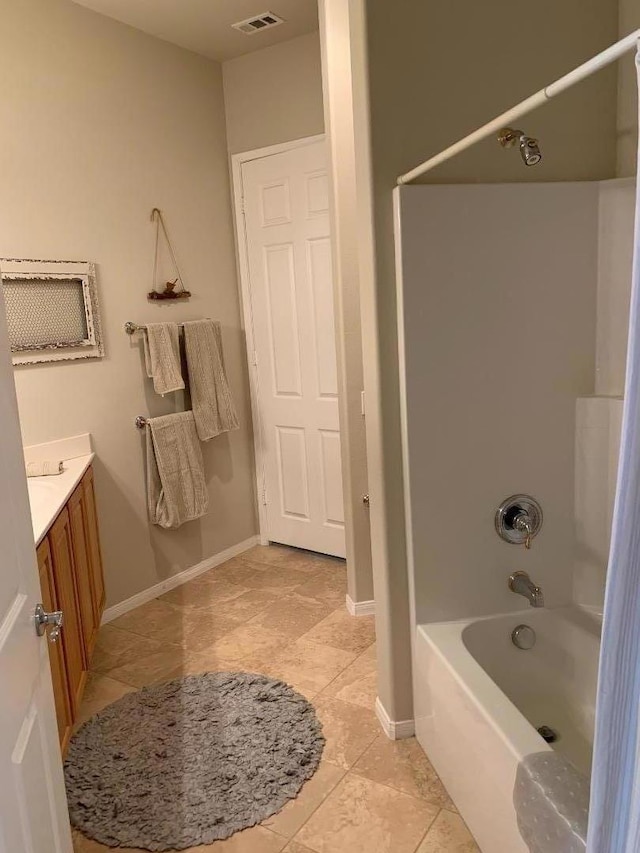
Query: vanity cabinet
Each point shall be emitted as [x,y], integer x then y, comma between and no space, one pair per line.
[84,580]
[64,579]
[93,540]
[56,655]
[72,581]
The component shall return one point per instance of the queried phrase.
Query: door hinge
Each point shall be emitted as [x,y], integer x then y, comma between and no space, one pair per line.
[264,494]
[254,359]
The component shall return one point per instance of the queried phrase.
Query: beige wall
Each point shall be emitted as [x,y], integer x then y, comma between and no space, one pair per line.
[628,94]
[101,123]
[338,86]
[289,80]
[435,72]
[274,95]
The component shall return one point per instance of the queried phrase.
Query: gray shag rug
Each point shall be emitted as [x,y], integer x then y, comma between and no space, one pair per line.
[191,761]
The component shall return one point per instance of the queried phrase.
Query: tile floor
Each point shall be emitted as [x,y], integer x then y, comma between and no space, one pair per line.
[282,612]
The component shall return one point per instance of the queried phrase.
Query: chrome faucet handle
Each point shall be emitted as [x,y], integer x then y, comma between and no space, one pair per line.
[522,523]
[518,519]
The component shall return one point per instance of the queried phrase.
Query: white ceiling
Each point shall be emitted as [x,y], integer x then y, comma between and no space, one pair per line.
[204,26]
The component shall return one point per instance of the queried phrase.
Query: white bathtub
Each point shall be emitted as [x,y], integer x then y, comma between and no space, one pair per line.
[479,701]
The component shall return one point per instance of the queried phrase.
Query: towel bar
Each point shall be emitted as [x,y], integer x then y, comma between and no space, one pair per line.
[141,421]
[131,328]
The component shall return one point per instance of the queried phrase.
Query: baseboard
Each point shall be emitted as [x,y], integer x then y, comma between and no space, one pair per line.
[394,729]
[360,608]
[157,589]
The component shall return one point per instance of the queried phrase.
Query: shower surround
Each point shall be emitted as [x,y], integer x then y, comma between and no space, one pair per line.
[501,338]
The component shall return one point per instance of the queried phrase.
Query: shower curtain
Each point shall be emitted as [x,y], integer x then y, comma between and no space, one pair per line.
[614,814]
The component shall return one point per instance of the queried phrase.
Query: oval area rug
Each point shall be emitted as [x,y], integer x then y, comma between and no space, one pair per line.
[191,761]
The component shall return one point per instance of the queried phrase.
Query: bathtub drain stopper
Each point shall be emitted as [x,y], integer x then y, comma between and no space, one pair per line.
[523,637]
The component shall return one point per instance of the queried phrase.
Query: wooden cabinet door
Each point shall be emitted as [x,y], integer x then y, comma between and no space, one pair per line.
[63,570]
[56,655]
[82,566]
[93,539]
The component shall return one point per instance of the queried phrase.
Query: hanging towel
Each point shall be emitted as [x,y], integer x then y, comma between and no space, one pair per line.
[175,471]
[211,399]
[162,357]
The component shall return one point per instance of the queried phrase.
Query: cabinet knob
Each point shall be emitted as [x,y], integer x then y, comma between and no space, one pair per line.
[45,620]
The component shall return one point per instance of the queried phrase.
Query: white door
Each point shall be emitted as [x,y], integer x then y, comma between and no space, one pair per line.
[288,250]
[33,808]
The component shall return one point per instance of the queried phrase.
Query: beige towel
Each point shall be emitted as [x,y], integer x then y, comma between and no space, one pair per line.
[47,468]
[162,357]
[211,399]
[176,487]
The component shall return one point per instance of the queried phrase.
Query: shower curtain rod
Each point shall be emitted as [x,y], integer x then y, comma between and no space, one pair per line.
[611,54]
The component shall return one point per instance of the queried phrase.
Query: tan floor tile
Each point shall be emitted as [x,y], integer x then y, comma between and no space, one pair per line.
[247,640]
[361,816]
[269,554]
[254,840]
[249,604]
[81,844]
[278,578]
[197,663]
[263,665]
[402,764]
[448,834]
[343,631]
[348,730]
[293,614]
[115,647]
[150,618]
[358,684]
[329,585]
[236,570]
[201,593]
[371,653]
[295,847]
[293,558]
[201,635]
[86,845]
[307,667]
[100,692]
[159,666]
[296,812]
[190,628]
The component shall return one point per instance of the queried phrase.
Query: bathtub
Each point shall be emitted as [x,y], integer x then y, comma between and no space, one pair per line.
[479,700]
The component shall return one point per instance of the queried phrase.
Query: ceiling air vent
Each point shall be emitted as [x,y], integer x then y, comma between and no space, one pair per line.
[260,22]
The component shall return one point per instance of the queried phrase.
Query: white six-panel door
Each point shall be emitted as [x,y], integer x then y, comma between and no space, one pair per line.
[33,808]
[288,251]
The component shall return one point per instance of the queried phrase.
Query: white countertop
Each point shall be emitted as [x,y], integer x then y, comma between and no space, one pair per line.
[47,495]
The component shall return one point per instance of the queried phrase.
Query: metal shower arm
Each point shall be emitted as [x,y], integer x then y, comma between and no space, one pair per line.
[601,60]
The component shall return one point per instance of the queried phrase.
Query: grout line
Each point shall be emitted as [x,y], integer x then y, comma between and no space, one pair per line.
[353,663]
[321,803]
[427,830]
[354,770]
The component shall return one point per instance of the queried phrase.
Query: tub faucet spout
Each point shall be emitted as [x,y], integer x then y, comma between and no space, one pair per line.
[521,583]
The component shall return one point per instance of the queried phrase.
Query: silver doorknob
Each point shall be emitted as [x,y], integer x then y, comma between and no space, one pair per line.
[44,620]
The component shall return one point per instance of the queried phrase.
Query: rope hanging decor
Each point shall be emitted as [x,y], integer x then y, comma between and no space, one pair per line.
[169,291]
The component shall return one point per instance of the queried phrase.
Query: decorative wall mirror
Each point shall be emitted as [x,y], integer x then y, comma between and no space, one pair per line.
[52,310]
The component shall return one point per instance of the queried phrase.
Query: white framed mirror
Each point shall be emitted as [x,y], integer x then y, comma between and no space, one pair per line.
[52,310]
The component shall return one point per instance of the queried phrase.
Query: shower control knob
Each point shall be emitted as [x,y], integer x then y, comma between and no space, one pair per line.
[518,519]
